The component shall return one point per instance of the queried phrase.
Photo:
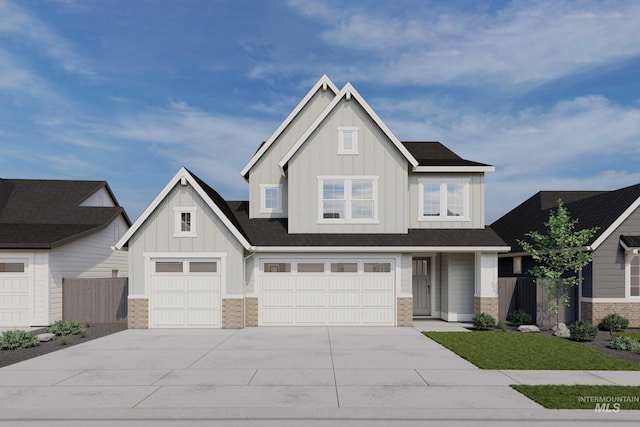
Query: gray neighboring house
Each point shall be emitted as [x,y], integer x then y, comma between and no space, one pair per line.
[345,225]
[611,283]
[50,230]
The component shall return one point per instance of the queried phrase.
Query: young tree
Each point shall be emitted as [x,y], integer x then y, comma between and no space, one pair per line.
[559,255]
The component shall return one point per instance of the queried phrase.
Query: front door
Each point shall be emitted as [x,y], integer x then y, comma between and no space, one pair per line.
[421,287]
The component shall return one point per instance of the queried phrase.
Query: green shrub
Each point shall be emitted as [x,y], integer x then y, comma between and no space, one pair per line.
[580,331]
[12,340]
[625,343]
[519,317]
[483,321]
[65,327]
[614,322]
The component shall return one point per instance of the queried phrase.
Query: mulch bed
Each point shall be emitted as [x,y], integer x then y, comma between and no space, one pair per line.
[97,330]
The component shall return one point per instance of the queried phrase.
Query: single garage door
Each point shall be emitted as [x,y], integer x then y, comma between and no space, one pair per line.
[185,293]
[14,293]
[327,292]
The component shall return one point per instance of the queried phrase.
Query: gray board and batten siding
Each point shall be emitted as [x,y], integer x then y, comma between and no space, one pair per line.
[156,235]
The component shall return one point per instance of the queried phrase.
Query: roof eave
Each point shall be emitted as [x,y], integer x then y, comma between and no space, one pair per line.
[442,169]
[382,249]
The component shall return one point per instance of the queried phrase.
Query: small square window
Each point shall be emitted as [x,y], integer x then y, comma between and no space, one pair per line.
[344,267]
[517,265]
[347,140]
[185,222]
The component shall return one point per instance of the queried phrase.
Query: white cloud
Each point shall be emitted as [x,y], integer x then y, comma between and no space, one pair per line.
[16,22]
[523,44]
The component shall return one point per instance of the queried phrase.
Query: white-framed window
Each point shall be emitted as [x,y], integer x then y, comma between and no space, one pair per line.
[634,276]
[517,265]
[352,199]
[443,199]
[11,267]
[347,140]
[184,221]
[270,198]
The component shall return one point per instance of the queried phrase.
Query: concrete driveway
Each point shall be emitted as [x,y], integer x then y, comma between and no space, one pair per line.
[261,376]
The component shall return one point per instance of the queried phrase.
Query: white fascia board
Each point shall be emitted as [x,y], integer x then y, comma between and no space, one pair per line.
[351,91]
[444,169]
[299,249]
[617,223]
[323,83]
[182,173]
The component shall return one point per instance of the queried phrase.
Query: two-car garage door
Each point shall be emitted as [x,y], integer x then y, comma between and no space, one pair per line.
[327,292]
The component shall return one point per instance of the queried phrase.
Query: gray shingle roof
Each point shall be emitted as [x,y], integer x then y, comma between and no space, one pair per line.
[433,153]
[46,213]
[273,232]
[631,241]
[591,208]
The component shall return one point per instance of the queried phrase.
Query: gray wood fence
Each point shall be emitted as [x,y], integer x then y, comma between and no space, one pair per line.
[95,300]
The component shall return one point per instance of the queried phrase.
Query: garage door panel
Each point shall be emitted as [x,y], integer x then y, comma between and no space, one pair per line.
[203,283]
[202,318]
[272,316]
[278,299]
[377,283]
[345,283]
[164,318]
[202,300]
[168,283]
[165,301]
[310,283]
[311,299]
[345,299]
[344,317]
[377,316]
[311,316]
[273,282]
[377,300]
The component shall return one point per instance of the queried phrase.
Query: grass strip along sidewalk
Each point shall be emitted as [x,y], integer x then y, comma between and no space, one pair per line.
[599,398]
[500,350]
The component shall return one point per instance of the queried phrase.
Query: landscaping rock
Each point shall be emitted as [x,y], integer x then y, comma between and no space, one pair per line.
[561,331]
[45,337]
[528,328]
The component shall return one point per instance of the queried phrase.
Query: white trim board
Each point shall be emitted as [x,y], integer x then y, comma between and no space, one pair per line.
[324,83]
[349,92]
[388,249]
[182,176]
[454,169]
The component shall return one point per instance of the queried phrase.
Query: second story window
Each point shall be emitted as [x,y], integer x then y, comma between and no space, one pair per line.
[347,140]
[443,199]
[184,222]
[348,199]
[270,198]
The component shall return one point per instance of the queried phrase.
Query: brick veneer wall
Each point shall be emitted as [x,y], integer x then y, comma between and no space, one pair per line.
[593,312]
[233,313]
[489,305]
[251,312]
[138,313]
[404,309]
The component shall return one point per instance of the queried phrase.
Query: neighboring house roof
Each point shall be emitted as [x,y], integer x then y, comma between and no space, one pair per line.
[208,194]
[433,153]
[347,92]
[272,232]
[603,209]
[324,83]
[43,214]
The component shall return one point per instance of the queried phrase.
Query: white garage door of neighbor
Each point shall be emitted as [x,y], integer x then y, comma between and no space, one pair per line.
[185,293]
[14,292]
[327,292]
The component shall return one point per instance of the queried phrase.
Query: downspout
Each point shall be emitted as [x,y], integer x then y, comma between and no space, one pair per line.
[244,285]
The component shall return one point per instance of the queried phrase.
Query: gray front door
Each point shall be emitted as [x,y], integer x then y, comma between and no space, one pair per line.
[421,287]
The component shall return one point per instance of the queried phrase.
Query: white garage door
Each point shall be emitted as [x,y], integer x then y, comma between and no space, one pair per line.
[185,293]
[14,293]
[327,292]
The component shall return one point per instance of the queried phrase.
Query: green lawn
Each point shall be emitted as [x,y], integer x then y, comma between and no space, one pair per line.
[635,335]
[583,396]
[500,350]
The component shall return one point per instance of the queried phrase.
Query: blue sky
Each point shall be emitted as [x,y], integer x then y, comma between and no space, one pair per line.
[129,91]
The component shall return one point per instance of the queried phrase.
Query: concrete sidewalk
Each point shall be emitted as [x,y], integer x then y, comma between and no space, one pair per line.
[316,373]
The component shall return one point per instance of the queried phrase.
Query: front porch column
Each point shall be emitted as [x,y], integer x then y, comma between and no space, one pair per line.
[485,299]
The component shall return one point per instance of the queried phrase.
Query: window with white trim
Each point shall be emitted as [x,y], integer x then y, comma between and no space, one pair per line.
[347,140]
[348,199]
[443,199]
[270,198]
[184,221]
[11,267]
[634,282]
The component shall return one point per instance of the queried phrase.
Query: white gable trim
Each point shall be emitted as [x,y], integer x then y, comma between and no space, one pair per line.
[347,91]
[324,83]
[182,177]
[617,223]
